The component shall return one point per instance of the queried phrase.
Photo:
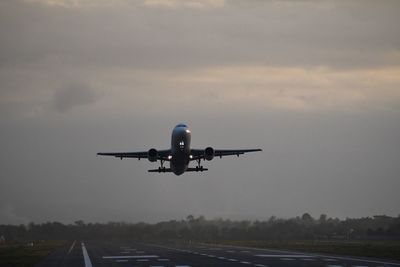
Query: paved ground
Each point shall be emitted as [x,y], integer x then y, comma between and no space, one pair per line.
[96,254]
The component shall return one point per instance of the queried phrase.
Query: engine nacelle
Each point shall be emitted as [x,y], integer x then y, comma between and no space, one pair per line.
[209,153]
[152,155]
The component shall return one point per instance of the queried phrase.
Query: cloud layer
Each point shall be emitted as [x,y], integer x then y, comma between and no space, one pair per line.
[315,84]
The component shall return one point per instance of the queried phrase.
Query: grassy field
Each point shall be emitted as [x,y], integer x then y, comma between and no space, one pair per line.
[25,254]
[375,249]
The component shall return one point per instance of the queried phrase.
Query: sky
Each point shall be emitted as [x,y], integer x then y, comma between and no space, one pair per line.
[315,84]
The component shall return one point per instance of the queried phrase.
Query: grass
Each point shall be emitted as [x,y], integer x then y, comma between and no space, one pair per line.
[23,255]
[374,249]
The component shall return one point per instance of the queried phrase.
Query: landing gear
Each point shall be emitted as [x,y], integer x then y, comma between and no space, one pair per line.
[199,168]
[161,169]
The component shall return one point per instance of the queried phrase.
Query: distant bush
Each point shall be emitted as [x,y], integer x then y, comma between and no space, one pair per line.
[200,229]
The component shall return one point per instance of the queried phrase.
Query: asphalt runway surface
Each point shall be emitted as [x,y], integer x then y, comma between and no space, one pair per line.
[96,254]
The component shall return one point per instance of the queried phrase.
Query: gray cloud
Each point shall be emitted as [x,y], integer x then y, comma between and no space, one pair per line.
[315,84]
[72,95]
[9,216]
[340,35]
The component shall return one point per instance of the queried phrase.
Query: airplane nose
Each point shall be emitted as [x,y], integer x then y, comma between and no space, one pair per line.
[181,132]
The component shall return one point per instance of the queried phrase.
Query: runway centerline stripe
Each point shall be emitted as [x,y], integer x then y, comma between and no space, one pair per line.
[131,257]
[86,258]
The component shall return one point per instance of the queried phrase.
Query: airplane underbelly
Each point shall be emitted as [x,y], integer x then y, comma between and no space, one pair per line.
[179,163]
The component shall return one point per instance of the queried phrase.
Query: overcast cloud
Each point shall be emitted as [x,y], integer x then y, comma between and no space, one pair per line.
[313,83]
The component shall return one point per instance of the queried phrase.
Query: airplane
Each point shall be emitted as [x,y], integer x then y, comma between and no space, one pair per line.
[180,153]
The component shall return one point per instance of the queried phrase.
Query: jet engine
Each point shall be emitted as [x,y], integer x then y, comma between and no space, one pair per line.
[209,153]
[152,155]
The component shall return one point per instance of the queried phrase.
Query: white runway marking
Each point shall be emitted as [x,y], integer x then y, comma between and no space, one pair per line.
[245,262]
[163,260]
[260,265]
[283,256]
[131,257]
[286,259]
[232,260]
[335,257]
[121,261]
[370,261]
[72,247]
[86,258]
[142,260]
[329,259]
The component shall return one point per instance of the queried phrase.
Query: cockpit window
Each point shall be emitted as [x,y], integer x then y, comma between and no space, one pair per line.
[181,125]
[182,145]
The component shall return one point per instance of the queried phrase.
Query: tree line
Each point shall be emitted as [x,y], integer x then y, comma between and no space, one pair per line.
[202,229]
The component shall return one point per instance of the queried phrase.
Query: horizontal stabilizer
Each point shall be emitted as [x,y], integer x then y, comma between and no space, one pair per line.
[161,170]
[201,169]
[196,169]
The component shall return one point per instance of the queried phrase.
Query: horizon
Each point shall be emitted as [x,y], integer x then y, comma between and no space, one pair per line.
[315,218]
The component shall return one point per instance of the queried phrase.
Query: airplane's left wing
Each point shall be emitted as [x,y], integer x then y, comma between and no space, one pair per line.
[159,154]
[202,153]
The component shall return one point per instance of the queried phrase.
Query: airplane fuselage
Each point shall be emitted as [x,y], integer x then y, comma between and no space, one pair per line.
[180,149]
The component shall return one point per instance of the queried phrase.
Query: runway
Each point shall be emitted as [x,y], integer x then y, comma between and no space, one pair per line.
[96,253]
